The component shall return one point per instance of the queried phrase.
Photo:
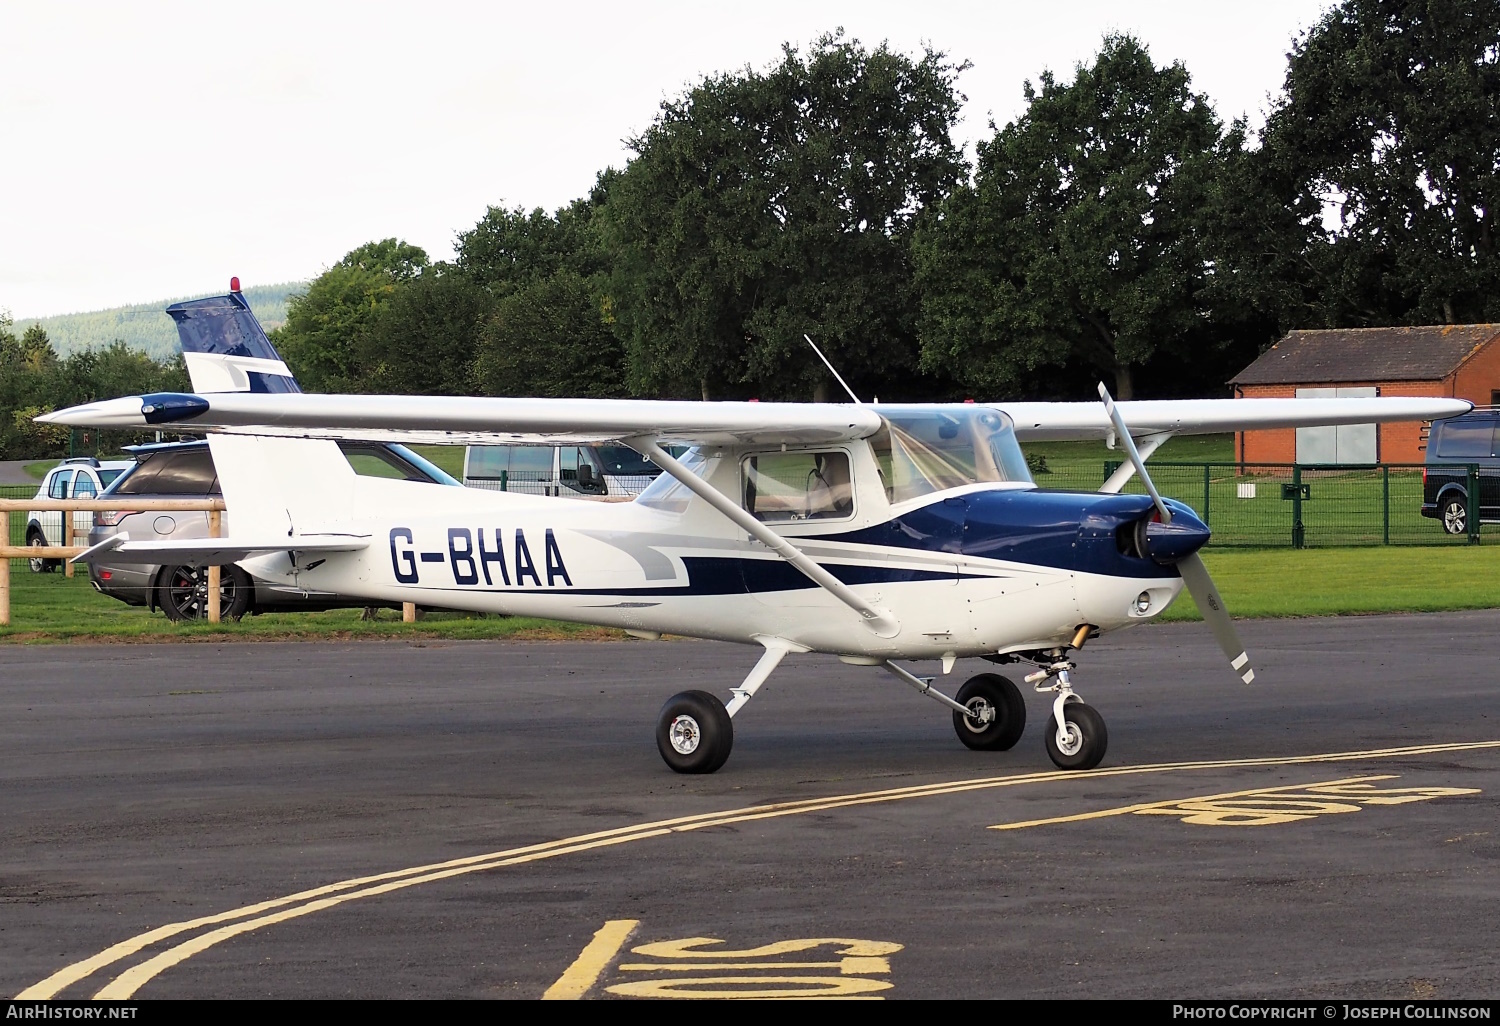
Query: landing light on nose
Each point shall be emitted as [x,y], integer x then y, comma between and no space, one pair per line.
[1143,602]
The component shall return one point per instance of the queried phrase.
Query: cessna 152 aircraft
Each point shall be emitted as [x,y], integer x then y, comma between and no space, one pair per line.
[875,533]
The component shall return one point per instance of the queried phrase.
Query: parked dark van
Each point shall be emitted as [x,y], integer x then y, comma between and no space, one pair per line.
[1452,447]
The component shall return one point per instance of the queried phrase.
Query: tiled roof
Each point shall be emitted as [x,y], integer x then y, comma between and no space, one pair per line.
[1367,354]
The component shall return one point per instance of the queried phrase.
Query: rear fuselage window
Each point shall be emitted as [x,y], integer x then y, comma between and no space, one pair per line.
[785,486]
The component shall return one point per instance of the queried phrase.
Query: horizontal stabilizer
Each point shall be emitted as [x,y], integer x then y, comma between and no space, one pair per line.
[213,551]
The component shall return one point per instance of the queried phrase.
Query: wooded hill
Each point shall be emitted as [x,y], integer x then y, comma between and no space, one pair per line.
[145,326]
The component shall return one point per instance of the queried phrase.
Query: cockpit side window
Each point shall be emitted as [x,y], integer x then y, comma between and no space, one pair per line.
[921,451]
[787,486]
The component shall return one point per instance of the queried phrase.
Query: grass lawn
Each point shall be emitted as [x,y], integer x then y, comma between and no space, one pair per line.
[39,470]
[1255,583]
[1330,582]
[1182,449]
[447,457]
[50,607]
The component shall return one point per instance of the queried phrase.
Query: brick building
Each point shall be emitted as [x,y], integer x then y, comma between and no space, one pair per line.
[1459,361]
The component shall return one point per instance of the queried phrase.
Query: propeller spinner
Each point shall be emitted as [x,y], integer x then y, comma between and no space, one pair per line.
[1194,574]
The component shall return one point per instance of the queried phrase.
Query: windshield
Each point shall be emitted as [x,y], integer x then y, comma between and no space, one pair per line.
[107,477]
[437,474]
[921,450]
[670,495]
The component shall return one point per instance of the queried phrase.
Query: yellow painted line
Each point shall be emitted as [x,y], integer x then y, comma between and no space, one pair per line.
[860,966]
[732,987]
[128,982]
[1126,810]
[576,980]
[331,895]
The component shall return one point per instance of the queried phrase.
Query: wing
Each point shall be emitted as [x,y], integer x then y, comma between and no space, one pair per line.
[1056,422]
[563,421]
[460,418]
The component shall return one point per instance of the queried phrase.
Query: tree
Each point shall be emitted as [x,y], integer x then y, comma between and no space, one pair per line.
[1079,243]
[10,346]
[1389,129]
[510,248]
[423,339]
[762,205]
[551,337]
[327,326]
[36,348]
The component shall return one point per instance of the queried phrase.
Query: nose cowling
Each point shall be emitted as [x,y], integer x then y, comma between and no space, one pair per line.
[1166,544]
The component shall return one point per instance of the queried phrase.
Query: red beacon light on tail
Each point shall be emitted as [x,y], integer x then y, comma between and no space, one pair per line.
[234,284]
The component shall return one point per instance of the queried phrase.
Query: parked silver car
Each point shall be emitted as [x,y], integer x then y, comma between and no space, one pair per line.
[186,471]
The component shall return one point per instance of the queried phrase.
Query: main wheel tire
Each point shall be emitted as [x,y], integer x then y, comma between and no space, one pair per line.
[1087,738]
[694,732]
[1455,515]
[183,593]
[36,539]
[998,713]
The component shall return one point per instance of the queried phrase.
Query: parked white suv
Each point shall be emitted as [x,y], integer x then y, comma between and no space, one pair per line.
[82,477]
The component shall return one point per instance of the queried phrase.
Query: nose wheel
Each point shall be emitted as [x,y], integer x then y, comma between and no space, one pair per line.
[1079,743]
[1076,737]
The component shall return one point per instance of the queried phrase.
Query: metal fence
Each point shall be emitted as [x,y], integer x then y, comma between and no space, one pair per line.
[1260,505]
[1267,505]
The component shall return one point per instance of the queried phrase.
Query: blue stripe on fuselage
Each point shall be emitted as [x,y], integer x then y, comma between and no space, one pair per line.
[719,575]
[1061,530]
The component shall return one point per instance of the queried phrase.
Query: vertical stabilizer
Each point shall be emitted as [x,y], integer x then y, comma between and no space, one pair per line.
[225,348]
[271,485]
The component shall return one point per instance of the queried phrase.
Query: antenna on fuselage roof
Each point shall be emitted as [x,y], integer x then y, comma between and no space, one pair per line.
[835,373]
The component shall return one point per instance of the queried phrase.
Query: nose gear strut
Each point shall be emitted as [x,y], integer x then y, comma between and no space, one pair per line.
[1076,737]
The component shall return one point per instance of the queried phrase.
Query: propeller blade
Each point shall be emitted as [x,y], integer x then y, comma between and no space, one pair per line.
[1194,573]
[1201,587]
[1123,434]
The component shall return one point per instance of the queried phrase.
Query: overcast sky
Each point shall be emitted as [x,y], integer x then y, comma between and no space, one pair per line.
[152,150]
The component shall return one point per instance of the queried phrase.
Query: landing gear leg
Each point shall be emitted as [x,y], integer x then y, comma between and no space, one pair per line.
[1076,737]
[695,731]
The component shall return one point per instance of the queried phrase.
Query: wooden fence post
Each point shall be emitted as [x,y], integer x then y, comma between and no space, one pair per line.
[5,579]
[215,572]
[67,540]
[408,612]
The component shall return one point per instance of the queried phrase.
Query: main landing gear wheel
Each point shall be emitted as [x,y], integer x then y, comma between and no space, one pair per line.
[694,732]
[1085,738]
[997,713]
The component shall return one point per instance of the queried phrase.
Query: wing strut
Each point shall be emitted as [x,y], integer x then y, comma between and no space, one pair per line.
[1147,445]
[878,620]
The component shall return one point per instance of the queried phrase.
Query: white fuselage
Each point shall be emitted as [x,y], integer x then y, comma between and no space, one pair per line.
[680,567]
